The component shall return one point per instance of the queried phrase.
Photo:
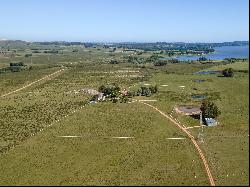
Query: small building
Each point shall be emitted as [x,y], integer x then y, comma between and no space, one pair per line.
[101,97]
[210,122]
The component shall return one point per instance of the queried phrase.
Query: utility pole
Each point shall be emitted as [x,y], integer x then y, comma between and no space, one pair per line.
[200,136]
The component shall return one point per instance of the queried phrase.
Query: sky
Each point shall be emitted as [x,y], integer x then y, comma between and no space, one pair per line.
[125,20]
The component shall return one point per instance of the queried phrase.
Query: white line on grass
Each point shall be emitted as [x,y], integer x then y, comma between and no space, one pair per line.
[69,136]
[176,138]
[122,137]
[153,100]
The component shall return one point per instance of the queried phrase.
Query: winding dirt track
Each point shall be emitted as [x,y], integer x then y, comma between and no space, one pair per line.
[210,177]
[47,76]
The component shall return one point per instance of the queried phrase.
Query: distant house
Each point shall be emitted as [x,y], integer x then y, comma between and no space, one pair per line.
[210,122]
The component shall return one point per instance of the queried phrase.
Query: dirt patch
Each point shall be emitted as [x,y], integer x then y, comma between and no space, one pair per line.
[188,110]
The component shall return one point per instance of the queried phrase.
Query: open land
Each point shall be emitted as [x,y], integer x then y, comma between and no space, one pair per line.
[51,135]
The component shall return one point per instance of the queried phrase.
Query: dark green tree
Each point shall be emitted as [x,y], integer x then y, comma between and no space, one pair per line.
[228,72]
[209,109]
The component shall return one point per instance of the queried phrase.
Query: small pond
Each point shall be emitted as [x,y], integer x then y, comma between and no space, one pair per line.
[208,72]
[199,80]
[198,97]
[188,110]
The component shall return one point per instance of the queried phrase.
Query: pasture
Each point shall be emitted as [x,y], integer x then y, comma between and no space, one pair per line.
[49,138]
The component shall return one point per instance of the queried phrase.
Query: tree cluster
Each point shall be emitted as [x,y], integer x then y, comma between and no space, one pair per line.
[160,63]
[202,59]
[146,91]
[209,109]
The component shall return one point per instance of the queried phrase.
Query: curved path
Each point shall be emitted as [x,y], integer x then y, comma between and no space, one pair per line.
[210,177]
[47,76]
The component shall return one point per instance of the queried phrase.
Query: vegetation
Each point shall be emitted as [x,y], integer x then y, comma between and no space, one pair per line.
[202,59]
[146,91]
[209,109]
[16,66]
[94,157]
[228,72]
[160,63]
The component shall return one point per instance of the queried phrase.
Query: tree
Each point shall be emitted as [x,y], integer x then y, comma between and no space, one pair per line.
[113,62]
[160,63]
[153,89]
[28,55]
[112,90]
[146,91]
[228,72]
[209,109]
[202,59]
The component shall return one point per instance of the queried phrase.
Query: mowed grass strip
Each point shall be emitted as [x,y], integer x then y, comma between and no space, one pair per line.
[94,158]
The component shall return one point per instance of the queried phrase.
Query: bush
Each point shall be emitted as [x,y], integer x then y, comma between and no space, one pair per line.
[209,109]
[146,91]
[160,63]
[16,64]
[228,72]
[27,55]
[202,59]
[153,89]
[112,90]
[113,62]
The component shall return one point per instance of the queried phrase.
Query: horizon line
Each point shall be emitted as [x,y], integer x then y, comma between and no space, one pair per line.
[115,42]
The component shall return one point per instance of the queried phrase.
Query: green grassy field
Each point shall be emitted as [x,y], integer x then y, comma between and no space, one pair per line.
[95,158]
[226,145]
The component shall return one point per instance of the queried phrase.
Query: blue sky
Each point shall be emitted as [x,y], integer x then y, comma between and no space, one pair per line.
[125,20]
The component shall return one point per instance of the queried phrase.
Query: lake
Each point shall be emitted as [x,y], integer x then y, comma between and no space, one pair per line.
[219,54]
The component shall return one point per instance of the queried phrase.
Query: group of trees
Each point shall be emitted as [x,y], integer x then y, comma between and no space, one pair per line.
[202,59]
[160,63]
[146,91]
[114,93]
[27,55]
[107,90]
[111,91]
[113,62]
[135,60]
[16,66]
[153,58]
[235,59]
[53,51]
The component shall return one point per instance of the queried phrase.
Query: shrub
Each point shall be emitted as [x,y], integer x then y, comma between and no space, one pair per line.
[27,55]
[202,59]
[228,72]
[112,90]
[113,62]
[160,63]
[209,109]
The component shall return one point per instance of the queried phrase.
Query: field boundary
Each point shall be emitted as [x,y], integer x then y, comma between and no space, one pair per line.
[30,84]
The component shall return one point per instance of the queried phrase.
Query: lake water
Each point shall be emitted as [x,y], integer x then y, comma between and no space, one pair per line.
[220,53]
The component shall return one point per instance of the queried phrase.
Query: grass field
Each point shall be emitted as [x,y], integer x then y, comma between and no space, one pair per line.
[94,156]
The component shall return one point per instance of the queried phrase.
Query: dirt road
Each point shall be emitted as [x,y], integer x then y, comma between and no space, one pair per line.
[210,177]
